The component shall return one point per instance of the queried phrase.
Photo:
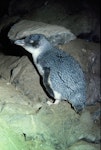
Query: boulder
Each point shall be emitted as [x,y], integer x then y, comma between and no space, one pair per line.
[56,34]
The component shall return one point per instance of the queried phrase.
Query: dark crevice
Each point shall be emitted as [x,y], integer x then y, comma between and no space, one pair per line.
[8,46]
[90,37]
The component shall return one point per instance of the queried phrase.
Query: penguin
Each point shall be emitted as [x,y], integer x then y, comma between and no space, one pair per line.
[62,75]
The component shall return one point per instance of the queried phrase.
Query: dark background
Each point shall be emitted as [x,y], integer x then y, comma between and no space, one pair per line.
[74,5]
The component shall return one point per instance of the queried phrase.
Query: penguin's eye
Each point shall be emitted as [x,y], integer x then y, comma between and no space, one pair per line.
[31,41]
[35,43]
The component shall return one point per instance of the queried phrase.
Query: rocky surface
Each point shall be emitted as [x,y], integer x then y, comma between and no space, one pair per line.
[24,105]
[56,34]
[57,126]
[23,100]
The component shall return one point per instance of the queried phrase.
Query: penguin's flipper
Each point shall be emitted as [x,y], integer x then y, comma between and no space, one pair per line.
[46,81]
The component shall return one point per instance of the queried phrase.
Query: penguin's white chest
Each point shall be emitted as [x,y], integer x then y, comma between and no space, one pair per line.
[40,69]
[35,54]
[34,51]
[35,57]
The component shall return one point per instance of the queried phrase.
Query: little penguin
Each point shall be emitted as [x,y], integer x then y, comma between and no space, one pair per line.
[62,75]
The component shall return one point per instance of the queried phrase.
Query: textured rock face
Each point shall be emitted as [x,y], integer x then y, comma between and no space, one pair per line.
[23,102]
[57,126]
[24,106]
[56,34]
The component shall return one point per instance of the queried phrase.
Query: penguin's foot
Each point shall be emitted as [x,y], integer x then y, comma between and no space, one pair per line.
[56,102]
[49,103]
[8,83]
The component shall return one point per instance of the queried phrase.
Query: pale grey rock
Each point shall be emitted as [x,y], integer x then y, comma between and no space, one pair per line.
[33,119]
[23,106]
[83,145]
[56,34]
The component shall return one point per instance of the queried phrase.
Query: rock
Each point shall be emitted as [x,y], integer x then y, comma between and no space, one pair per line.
[23,104]
[21,73]
[79,21]
[94,90]
[88,54]
[55,34]
[82,145]
[6,66]
[56,125]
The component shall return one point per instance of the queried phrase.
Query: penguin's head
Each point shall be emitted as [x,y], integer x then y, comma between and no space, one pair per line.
[33,42]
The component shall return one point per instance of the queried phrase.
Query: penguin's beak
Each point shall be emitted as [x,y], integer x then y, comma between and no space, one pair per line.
[20,42]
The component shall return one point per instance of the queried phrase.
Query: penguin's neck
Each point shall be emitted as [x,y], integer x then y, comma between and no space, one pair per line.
[36,53]
[40,52]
